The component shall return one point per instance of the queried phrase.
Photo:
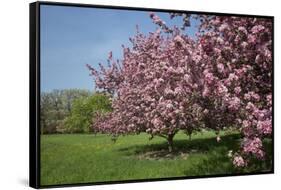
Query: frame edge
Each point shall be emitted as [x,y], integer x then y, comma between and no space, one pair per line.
[34,174]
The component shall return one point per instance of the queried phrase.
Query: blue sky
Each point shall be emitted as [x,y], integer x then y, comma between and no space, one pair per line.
[72,37]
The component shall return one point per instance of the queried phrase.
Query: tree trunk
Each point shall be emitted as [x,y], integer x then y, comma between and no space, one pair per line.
[170,142]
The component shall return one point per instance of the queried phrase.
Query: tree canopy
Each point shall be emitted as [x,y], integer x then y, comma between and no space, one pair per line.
[168,82]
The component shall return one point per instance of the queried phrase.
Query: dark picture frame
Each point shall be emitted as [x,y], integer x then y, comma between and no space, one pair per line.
[34,87]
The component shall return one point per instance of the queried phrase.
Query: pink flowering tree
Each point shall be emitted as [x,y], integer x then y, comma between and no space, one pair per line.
[154,87]
[220,79]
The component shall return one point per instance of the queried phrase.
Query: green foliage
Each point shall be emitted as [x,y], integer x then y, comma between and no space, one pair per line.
[55,106]
[83,111]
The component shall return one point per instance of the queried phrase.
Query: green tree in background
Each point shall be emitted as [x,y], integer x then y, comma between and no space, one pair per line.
[83,110]
[55,106]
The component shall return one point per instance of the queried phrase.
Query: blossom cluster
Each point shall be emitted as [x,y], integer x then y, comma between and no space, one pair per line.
[237,54]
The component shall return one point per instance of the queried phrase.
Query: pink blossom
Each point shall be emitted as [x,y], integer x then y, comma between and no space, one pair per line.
[209,77]
[250,106]
[238,161]
[252,39]
[223,27]
[269,99]
[232,77]
[187,78]
[253,145]
[242,29]
[220,67]
[265,127]
[222,90]
[179,40]
[234,103]
[237,90]
[178,90]
[244,44]
[220,40]
[246,123]
[257,29]
[110,55]
[206,92]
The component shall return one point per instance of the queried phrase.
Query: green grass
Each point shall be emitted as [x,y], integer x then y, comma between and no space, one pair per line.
[81,158]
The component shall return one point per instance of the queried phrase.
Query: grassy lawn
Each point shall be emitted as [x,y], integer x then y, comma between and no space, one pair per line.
[81,158]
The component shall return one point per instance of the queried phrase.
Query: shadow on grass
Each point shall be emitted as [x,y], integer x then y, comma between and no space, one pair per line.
[218,163]
[182,147]
[206,156]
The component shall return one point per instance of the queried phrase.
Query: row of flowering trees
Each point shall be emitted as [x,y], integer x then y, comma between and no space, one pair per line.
[168,81]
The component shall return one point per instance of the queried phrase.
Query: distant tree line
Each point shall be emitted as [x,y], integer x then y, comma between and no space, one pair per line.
[71,110]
